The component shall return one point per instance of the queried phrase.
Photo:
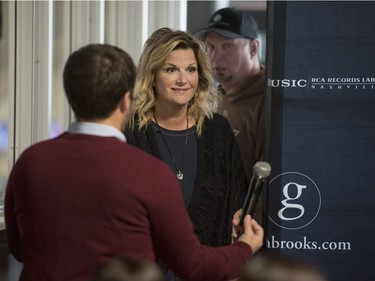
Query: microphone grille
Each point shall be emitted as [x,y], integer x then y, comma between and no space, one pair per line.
[262,169]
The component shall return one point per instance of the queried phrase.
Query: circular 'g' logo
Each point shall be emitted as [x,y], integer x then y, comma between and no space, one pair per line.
[294,200]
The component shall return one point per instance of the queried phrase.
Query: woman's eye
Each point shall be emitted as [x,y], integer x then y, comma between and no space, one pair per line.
[192,69]
[169,69]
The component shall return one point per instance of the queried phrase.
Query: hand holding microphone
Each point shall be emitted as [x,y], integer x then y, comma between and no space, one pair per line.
[261,171]
[253,234]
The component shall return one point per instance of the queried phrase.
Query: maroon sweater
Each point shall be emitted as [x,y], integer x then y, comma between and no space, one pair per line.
[74,201]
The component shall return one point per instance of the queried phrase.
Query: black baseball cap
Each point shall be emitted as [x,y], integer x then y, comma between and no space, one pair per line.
[231,23]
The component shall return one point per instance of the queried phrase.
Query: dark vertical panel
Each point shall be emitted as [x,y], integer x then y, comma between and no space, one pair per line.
[322,134]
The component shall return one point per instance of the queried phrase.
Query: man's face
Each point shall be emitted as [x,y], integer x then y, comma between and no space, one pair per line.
[230,59]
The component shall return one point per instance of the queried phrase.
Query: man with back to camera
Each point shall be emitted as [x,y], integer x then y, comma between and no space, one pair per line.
[77,200]
[233,53]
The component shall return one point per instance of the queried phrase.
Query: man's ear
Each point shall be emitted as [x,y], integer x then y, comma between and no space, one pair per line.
[126,102]
[254,47]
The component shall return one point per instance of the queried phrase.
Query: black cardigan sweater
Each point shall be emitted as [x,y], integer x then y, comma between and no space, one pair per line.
[220,184]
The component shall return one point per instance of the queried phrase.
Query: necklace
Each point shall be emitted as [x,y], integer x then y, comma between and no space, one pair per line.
[179,174]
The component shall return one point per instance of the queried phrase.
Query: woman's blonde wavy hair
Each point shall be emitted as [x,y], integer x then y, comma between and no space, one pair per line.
[155,53]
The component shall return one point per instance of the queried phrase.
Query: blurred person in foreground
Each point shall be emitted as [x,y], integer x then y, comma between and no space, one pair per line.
[77,200]
[277,268]
[232,43]
[124,268]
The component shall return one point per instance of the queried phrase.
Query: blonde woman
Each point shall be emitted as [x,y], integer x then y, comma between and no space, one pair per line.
[174,120]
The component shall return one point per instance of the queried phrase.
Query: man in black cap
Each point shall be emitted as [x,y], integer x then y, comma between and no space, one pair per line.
[233,52]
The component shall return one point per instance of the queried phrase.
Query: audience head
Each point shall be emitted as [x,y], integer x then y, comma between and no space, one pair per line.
[96,78]
[128,269]
[156,51]
[272,268]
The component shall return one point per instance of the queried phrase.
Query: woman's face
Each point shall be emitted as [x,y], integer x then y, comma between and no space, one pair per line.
[177,80]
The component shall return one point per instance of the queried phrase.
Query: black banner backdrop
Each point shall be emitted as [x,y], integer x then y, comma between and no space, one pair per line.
[321,89]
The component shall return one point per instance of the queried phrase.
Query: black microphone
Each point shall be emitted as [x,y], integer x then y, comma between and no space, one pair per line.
[261,171]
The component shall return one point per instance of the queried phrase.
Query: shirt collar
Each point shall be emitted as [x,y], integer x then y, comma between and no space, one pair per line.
[96,129]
